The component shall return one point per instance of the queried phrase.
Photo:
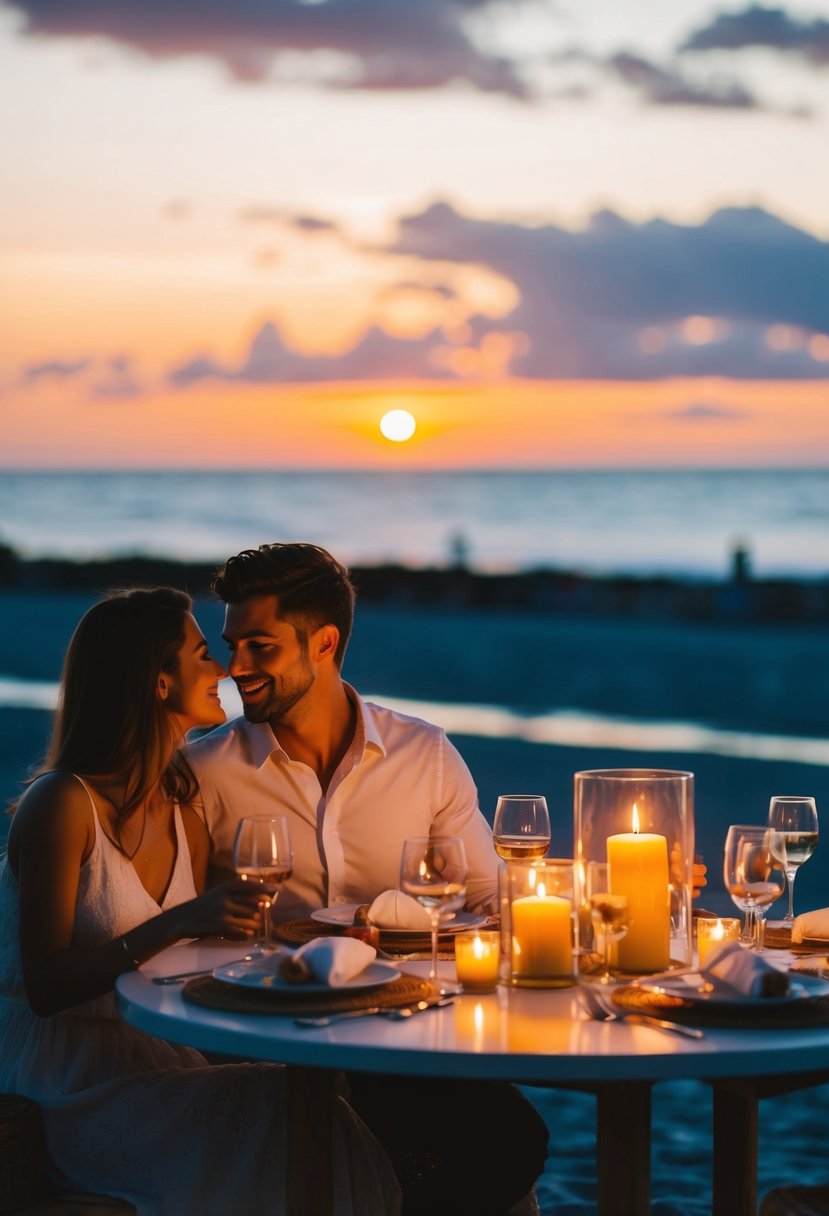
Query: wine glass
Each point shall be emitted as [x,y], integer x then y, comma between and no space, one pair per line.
[433,870]
[794,823]
[262,854]
[753,876]
[520,832]
[521,828]
[608,914]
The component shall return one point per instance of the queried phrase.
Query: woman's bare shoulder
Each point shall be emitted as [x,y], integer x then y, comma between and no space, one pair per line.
[54,800]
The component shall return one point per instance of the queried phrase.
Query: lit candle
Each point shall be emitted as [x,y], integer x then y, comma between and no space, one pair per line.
[542,937]
[711,931]
[477,960]
[638,865]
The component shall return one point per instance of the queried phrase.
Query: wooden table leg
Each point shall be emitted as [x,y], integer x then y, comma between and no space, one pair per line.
[310,1094]
[735,1149]
[623,1148]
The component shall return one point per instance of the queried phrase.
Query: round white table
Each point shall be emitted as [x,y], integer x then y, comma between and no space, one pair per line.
[533,1037]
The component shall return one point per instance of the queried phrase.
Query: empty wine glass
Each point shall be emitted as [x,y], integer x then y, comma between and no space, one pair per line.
[262,855]
[521,828]
[608,914]
[753,876]
[433,870]
[794,823]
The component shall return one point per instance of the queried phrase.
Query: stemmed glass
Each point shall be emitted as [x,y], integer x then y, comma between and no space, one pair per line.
[520,832]
[521,828]
[795,831]
[433,870]
[262,854]
[752,875]
[608,913]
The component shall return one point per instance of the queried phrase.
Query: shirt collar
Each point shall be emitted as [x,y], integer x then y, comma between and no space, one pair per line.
[263,742]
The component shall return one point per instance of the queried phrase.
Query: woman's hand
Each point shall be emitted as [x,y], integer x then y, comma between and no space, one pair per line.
[230,907]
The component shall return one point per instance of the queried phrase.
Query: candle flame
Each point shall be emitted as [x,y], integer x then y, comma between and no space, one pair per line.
[541,890]
[718,932]
[424,869]
[635,818]
[478,948]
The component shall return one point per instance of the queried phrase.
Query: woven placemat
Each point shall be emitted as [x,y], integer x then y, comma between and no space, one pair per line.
[779,937]
[298,932]
[757,1013]
[405,990]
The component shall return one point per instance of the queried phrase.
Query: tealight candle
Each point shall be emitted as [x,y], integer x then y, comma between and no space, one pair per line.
[711,931]
[477,959]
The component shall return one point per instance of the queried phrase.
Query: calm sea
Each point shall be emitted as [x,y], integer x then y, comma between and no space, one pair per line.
[645,521]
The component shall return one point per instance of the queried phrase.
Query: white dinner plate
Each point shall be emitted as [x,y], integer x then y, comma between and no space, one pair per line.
[264,975]
[693,987]
[343,915]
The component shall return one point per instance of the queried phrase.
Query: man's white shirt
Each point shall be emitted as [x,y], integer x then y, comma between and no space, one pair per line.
[400,777]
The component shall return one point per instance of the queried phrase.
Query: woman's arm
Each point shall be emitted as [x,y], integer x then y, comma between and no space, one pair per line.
[51,836]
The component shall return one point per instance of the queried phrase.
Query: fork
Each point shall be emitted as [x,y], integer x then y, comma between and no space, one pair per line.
[601,1012]
[396,1015]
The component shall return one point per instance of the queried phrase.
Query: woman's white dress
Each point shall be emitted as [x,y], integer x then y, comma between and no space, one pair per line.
[133,1116]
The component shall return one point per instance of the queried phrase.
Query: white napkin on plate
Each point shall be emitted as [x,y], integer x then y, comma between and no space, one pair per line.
[396,910]
[328,960]
[748,974]
[811,925]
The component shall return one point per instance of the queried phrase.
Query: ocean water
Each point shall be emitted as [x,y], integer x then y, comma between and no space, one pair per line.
[631,521]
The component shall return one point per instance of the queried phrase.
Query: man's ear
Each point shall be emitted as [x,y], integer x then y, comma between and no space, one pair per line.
[327,640]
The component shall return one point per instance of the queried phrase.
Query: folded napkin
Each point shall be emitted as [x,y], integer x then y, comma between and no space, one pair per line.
[396,910]
[811,925]
[747,974]
[328,960]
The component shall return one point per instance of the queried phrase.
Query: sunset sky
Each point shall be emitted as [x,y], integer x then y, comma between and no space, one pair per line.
[559,232]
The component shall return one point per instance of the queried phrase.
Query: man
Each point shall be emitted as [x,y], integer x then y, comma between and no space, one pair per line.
[355,780]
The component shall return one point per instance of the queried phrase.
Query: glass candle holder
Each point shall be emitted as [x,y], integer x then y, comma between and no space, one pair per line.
[477,959]
[542,924]
[712,931]
[640,824]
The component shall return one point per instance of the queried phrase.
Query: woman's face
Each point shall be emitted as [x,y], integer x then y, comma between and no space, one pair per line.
[193,691]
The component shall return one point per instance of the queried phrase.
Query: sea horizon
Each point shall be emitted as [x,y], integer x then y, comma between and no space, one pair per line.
[644,521]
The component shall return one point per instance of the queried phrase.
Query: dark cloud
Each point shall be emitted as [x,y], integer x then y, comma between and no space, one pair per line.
[377,356]
[376,44]
[705,411]
[661,87]
[764,27]
[741,296]
[623,300]
[59,369]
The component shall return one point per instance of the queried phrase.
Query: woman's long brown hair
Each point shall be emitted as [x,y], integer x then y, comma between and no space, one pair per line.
[110,721]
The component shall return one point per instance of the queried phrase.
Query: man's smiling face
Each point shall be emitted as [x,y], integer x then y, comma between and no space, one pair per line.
[269,658]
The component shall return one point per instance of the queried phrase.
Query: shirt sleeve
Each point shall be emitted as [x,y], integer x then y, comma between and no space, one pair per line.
[460,815]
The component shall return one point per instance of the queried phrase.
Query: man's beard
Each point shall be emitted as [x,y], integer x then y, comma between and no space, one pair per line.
[278,703]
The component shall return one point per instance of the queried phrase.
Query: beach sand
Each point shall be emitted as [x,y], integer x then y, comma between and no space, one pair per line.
[770,680]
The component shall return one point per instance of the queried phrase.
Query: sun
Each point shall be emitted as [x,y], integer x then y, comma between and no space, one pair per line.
[398,425]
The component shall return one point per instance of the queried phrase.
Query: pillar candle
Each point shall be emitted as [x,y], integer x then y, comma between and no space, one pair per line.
[477,960]
[541,937]
[638,868]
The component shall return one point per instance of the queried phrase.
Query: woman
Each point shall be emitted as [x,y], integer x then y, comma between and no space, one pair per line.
[106,866]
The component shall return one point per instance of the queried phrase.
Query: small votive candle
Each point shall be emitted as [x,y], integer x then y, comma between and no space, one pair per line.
[477,959]
[712,931]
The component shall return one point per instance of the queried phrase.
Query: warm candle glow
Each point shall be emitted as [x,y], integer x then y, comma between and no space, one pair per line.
[638,868]
[477,959]
[635,818]
[713,932]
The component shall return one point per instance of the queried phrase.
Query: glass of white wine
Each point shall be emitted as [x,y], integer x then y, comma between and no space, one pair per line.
[262,855]
[521,828]
[793,820]
[520,832]
[433,871]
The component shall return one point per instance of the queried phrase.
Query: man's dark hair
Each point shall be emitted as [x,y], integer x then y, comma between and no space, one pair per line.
[312,587]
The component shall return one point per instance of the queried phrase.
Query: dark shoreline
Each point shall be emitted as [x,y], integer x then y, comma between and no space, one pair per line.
[737,599]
